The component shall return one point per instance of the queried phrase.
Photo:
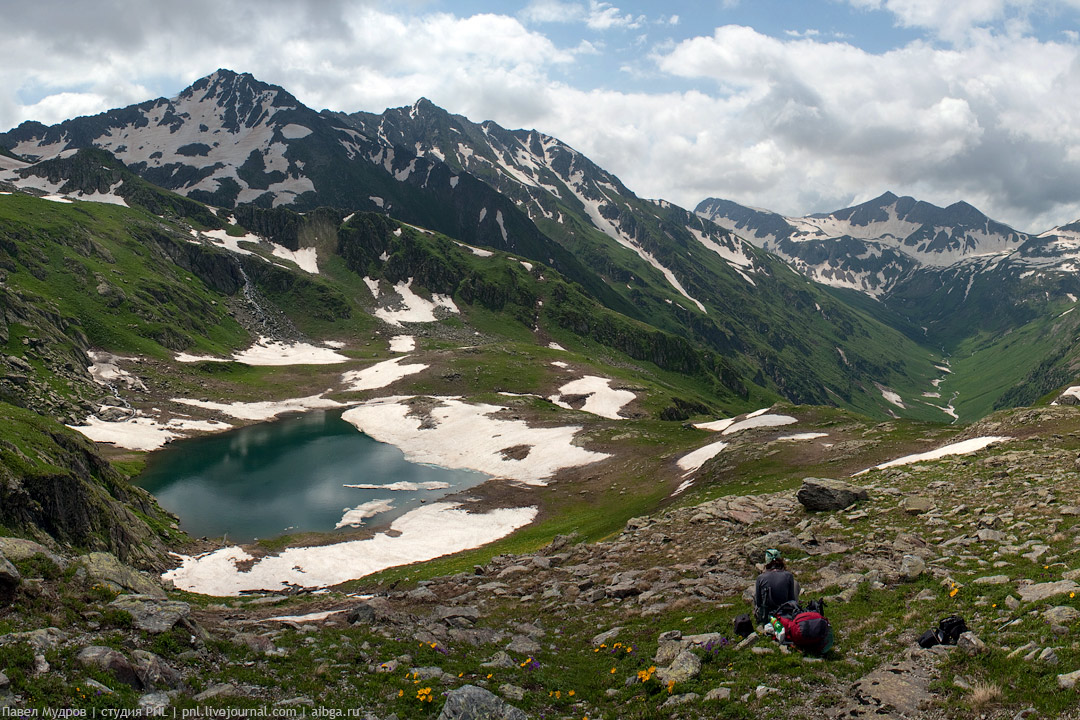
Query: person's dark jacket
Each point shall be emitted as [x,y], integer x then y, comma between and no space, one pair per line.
[772,589]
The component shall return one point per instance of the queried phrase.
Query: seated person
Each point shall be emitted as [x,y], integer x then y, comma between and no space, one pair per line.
[774,587]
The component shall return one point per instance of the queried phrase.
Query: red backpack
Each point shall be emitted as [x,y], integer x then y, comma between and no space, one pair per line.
[808,631]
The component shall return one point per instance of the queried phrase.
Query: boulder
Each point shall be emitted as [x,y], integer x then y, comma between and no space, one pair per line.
[1061,615]
[152,614]
[111,661]
[1068,681]
[153,672]
[911,567]
[469,702]
[970,644]
[1042,591]
[917,504]
[18,549]
[104,567]
[685,666]
[9,576]
[820,494]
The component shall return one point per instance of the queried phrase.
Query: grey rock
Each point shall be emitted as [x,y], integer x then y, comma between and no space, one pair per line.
[1048,656]
[152,614]
[685,666]
[747,641]
[499,660]
[991,580]
[1061,614]
[682,699]
[720,693]
[911,567]
[41,641]
[900,689]
[215,691]
[262,644]
[762,690]
[513,692]
[154,672]
[5,683]
[1068,680]
[361,614]
[523,645]
[821,494]
[917,505]
[609,635]
[110,661]
[154,704]
[474,703]
[1042,591]
[19,549]
[9,576]
[104,567]
[970,644]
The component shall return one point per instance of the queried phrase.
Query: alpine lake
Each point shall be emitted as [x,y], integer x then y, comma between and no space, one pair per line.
[291,475]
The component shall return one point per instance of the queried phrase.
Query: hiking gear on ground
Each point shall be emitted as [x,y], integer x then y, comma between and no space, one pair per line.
[743,625]
[809,632]
[950,629]
[947,632]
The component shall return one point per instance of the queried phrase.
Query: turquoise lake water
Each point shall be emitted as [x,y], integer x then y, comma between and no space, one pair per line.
[286,476]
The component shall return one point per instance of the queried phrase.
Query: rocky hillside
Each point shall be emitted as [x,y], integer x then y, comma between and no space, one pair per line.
[638,625]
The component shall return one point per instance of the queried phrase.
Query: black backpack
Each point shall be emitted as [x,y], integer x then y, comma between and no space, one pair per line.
[947,632]
[744,625]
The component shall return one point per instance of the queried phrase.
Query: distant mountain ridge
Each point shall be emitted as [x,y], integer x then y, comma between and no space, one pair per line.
[232,141]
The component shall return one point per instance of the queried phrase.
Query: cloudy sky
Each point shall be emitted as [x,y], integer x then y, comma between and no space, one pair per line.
[794,105]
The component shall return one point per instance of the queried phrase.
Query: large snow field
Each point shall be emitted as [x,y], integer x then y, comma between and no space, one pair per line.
[269,352]
[410,307]
[427,532]
[144,433]
[466,436]
[264,410]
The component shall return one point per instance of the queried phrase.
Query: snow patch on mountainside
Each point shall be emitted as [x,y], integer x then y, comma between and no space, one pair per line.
[380,374]
[412,308]
[601,399]
[306,258]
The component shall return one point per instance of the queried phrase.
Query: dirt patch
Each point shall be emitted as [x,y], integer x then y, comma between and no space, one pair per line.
[517,452]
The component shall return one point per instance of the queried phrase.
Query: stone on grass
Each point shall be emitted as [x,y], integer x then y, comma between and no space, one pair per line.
[1042,591]
[1061,614]
[991,580]
[720,693]
[104,567]
[970,643]
[683,699]
[154,704]
[917,504]
[470,702]
[685,666]
[911,567]
[152,614]
[821,494]
[111,661]
[1068,680]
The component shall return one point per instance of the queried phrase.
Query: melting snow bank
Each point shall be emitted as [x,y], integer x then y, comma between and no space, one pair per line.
[425,533]
[143,433]
[380,374]
[964,447]
[306,258]
[459,435]
[105,371]
[402,343]
[756,419]
[402,485]
[269,352]
[355,517]
[410,307]
[694,460]
[601,399]
[263,410]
